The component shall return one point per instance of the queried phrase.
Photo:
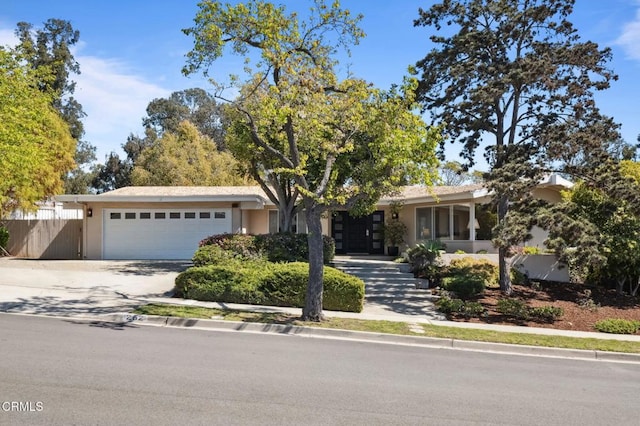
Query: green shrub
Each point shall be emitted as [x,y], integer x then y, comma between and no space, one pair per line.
[531,250]
[519,310]
[425,259]
[518,277]
[447,305]
[546,313]
[464,286]
[231,283]
[460,252]
[281,247]
[474,309]
[4,237]
[482,268]
[513,308]
[242,245]
[213,255]
[617,326]
[290,247]
[482,251]
[266,283]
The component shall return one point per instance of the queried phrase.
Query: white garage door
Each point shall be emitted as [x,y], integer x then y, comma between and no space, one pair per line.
[159,234]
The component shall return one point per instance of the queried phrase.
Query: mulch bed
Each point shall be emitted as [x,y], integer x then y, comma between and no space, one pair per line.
[581,309]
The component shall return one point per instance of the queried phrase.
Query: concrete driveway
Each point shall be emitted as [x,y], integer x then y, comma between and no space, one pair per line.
[73,287]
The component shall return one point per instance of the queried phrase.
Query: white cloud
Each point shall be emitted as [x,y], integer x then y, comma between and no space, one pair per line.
[114,99]
[7,37]
[113,96]
[630,38]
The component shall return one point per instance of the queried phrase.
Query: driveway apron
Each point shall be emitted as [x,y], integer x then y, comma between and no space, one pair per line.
[75,287]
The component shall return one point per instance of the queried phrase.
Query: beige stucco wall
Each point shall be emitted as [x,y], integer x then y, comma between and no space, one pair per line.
[258,221]
[549,195]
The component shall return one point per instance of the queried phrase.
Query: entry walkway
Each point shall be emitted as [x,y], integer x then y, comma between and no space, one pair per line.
[388,291]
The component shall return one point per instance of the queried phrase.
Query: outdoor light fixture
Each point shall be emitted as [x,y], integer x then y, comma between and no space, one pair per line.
[89,212]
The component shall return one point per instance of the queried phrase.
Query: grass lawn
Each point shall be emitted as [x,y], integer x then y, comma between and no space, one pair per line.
[393,327]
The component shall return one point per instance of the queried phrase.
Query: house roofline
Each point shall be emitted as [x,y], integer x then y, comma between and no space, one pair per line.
[90,198]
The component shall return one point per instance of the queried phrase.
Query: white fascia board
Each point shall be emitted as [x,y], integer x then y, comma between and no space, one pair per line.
[556,180]
[83,199]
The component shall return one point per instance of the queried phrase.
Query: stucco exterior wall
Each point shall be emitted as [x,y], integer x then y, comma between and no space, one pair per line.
[258,221]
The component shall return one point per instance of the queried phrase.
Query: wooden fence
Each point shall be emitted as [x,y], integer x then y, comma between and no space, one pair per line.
[45,239]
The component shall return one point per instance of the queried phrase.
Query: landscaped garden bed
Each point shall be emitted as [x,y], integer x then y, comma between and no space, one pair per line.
[582,306]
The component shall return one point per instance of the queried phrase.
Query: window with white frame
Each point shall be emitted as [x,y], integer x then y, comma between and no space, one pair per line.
[299,225]
[450,222]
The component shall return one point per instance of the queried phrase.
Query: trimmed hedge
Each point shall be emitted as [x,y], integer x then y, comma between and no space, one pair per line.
[617,326]
[265,283]
[290,247]
[213,255]
[281,247]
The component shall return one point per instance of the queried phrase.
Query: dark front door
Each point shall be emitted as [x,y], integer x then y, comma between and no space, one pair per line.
[358,234]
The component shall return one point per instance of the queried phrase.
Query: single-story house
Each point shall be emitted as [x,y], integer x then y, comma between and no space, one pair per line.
[168,222]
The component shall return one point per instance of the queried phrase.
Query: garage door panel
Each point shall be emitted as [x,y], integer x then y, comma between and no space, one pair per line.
[159,233]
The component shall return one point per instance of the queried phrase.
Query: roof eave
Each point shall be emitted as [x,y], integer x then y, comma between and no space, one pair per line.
[89,198]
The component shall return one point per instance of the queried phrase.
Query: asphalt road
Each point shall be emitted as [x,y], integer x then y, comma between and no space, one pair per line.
[64,371]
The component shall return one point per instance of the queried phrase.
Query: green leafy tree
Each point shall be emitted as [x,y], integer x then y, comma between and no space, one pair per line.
[599,234]
[336,144]
[164,115]
[515,75]
[35,143]
[49,49]
[185,158]
[194,105]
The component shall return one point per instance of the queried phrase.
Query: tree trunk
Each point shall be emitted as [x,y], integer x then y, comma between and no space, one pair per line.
[286,214]
[312,310]
[503,267]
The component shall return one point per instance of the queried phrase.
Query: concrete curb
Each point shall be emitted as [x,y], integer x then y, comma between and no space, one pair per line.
[315,332]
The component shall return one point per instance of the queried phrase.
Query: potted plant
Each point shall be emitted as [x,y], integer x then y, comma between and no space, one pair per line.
[394,230]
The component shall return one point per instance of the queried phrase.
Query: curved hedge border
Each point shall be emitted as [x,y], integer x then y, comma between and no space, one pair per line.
[266,283]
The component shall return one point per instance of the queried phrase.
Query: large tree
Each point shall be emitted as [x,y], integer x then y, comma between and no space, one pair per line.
[35,143]
[514,75]
[185,157]
[193,105]
[331,144]
[165,115]
[48,48]
[596,228]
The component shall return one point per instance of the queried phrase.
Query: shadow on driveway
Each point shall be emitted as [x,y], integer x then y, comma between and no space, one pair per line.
[148,267]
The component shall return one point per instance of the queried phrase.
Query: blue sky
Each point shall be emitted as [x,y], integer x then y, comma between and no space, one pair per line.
[131,52]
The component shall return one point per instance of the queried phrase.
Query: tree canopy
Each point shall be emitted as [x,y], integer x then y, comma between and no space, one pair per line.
[185,158]
[35,143]
[48,49]
[515,75]
[307,136]
[166,116]
[598,233]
